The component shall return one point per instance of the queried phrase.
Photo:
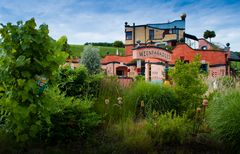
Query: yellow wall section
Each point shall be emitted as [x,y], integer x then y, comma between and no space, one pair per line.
[142,34]
[128,41]
[170,37]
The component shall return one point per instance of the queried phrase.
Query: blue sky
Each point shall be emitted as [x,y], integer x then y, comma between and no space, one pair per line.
[103,21]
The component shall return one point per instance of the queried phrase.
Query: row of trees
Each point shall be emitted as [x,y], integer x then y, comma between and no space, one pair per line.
[118,44]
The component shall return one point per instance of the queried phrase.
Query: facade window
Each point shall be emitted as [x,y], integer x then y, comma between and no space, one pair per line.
[151,34]
[120,72]
[204,68]
[129,35]
[174,31]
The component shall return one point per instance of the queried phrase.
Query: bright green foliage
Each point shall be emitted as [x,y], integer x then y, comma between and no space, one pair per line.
[78,82]
[65,46]
[236,67]
[223,118]
[169,128]
[140,78]
[189,85]
[155,97]
[27,51]
[91,59]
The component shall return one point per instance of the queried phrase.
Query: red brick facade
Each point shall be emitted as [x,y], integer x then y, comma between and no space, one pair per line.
[128,50]
[212,57]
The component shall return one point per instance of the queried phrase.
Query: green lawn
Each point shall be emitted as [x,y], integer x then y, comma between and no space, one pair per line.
[77,49]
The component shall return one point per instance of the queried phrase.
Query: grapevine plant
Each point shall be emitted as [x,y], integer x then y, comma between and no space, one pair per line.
[27,54]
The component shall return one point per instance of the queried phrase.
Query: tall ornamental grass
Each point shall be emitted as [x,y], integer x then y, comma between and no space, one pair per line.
[223,117]
[170,128]
[109,99]
[147,97]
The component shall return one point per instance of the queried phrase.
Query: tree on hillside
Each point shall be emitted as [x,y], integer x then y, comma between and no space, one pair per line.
[209,34]
[91,59]
[104,44]
[118,44]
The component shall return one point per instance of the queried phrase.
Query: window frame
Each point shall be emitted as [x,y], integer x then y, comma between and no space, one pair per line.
[151,34]
[129,33]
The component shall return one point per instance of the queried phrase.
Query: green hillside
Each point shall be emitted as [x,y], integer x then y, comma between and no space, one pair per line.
[77,49]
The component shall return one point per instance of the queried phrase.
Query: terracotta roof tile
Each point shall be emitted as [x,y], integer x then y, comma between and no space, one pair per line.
[113,58]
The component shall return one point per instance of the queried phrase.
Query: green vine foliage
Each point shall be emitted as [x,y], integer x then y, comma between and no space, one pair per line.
[26,51]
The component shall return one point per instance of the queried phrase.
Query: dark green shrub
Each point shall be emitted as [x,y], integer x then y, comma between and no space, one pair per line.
[170,128]
[154,96]
[223,117]
[76,120]
[77,82]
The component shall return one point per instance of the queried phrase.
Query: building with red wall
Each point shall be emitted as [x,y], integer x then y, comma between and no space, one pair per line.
[150,49]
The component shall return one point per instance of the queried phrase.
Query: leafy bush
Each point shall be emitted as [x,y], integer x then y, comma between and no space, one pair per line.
[91,59]
[154,96]
[223,117]
[77,82]
[26,122]
[75,120]
[27,52]
[169,128]
[188,84]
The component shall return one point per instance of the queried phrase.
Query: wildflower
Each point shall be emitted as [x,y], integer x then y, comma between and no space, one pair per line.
[155,114]
[155,124]
[205,102]
[142,103]
[119,98]
[119,102]
[198,110]
[106,101]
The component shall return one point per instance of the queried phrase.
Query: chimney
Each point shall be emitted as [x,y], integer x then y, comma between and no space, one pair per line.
[134,44]
[183,16]
[227,56]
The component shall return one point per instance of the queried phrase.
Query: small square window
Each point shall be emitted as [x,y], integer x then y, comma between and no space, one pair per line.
[129,35]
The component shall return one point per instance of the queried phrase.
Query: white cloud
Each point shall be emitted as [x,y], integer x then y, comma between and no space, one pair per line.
[93,21]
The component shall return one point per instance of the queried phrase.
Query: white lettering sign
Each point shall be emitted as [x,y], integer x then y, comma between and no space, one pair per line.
[152,53]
